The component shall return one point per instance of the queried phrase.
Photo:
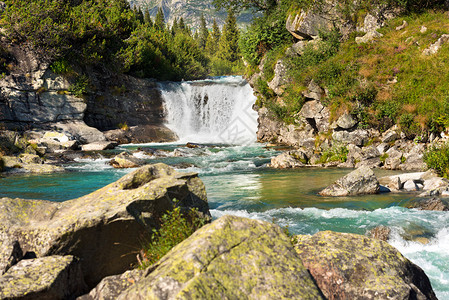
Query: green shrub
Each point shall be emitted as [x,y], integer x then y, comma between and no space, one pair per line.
[175,227]
[437,158]
[80,87]
[335,153]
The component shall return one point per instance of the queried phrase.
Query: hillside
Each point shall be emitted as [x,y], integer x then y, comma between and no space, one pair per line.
[190,11]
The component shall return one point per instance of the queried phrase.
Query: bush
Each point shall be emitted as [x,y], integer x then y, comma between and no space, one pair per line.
[335,153]
[437,158]
[175,227]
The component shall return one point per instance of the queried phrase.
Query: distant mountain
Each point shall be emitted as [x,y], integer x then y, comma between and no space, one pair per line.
[190,11]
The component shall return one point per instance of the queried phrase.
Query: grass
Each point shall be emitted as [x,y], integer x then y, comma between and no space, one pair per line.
[175,227]
[389,81]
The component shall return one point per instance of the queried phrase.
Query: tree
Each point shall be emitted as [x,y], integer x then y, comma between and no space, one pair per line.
[213,39]
[228,47]
[204,32]
[147,18]
[159,22]
[174,27]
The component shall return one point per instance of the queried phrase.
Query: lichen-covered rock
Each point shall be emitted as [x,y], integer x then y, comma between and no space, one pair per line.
[346,121]
[350,266]
[52,278]
[24,164]
[232,258]
[112,286]
[105,227]
[125,160]
[358,182]
[357,137]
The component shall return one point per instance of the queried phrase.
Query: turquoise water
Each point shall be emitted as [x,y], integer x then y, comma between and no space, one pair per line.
[239,183]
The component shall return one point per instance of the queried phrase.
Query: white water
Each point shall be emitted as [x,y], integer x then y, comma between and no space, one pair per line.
[217,111]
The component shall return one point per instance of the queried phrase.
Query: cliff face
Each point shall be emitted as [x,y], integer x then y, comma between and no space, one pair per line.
[190,11]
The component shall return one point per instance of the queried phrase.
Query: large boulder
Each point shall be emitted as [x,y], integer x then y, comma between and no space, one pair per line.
[125,160]
[308,24]
[436,204]
[350,266]
[106,227]
[10,253]
[232,258]
[52,277]
[289,159]
[358,182]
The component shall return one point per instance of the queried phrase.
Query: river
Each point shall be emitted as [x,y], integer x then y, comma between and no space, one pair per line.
[218,114]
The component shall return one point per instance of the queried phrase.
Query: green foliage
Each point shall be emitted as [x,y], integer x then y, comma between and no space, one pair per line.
[228,47]
[384,157]
[61,66]
[335,153]
[437,158]
[80,87]
[175,227]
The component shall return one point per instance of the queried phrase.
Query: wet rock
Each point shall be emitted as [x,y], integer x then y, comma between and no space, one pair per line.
[10,253]
[358,182]
[436,204]
[342,273]
[125,160]
[103,227]
[52,277]
[391,182]
[112,286]
[380,232]
[232,258]
[98,146]
[289,159]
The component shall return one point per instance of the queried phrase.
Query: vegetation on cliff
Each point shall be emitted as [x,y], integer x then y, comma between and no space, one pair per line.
[388,81]
[109,35]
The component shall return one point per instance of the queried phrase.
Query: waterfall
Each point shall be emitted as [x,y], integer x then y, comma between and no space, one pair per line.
[215,111]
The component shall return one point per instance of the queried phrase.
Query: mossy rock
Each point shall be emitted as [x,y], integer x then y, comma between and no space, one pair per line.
[351,266]
[232,258]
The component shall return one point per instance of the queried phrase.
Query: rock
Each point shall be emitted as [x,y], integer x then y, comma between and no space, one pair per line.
[369,37]
[314,91]
[370,23]
[436,204]
[105,227]
[391,182]
[380,232]
[423,29]
[24,163]
[52,277]
[435,47]
[125,160]
[117,135]
[390,136]
[269,126]
[10,253]
[375,271]
[30,159]
[370,152]
[402,26]
[42,168]
[393,160]
[346,121]
[316,115]
[308,24]
[382,148]
[289,159]
[81,132]
[357,137]
[112,286]
[413,162]
[232,258]
[311,109]
[296,49]
[56,136]
[410,186]
[369,162]
[436,183]
[280,78]
[358,182]
[98,146]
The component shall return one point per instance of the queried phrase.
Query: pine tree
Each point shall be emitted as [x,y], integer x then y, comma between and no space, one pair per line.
[213,39]
[139,15]
[181,25]
[174,27]
[228,47]
[204,33]
[147,18]
[159,22]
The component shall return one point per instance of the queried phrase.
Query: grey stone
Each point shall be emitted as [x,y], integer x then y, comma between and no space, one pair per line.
[98,146]
[346,121]
[369,37]
[358,182]
[357,137]
[380,232]
[402,26]
[390,136]
[125,160]
[280,78]
[289,159]
[435,47]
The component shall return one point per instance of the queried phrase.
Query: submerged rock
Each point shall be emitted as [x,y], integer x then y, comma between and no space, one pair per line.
[380,232]
[359,182]
[105,227]
[52,277]
[350,266]
[232,258]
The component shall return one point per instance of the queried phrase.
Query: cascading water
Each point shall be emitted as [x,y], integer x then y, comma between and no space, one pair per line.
[211,111]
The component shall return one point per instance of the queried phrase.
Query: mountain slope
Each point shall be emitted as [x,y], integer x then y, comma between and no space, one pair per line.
[190,11]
